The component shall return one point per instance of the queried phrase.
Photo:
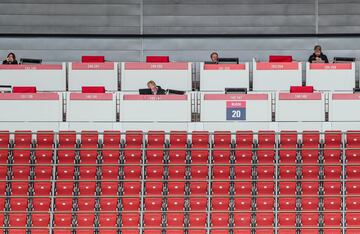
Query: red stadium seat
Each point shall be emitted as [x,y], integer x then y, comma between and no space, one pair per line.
[109,188]
[175,204]
[133,144]
[64,188]
[41,203]
[92,59]
[62,220]
[157,59]
[243,172]
[352,203]
[153,203]
[93,89]
[86,204]
[310,152]
[19,204]
[333,187]
[24,89]
[178,145]
[332,203]
[332,220]
[220,220]
[310,188]
[222,144]
[198,203]
[265,188]
[301,89]
[40,220]
[244,146]
[287,220]
[220,188]
[176,172]
[130,188]
[154,172]
[265,172]
[85,221]
[174,220]
[265,203]
[110,172]
[199,172]
[309,203]
[198,188]
[220,203]
[221,172]
[243,203]
[154,188]
[67,141]
[264,219]
[280,58]
[176,188]
[310,219]
[288,145]
[111,144]
[108,203]
[200,144]
[242,220]
[332,141]
[287,203]
[109,220]
[197,220]
[64,204]
[243,188]
[155,147]
[287,188]
[152,219]
[353,219]
[44,146]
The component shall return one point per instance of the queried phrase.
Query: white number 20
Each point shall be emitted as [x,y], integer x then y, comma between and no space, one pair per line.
[236,113]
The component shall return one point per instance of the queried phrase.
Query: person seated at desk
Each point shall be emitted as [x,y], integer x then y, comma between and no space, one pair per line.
[10,59]
[214,57]
[318,56]
[155,90]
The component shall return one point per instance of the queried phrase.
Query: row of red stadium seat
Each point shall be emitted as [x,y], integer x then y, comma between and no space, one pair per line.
[201,181]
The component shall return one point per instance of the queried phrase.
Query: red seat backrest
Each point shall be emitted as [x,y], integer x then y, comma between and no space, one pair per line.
[93,89]
[280,58]
[157,59]
[24,89]
[301,89]
[178,138]
[92,59]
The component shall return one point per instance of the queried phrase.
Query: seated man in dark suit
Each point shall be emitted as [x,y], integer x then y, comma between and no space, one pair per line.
[155,90]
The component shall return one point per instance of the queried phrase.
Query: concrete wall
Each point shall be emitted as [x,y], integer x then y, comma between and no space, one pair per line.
[144,17]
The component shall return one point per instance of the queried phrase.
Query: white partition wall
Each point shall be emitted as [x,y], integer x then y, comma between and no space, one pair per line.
[235,107]
[217,77]
[46,77]
[91,107]
[335,76]
[93,74]
[135,75]
[276,76]
[300,107]
[151,108]
[30,107]
[344,107]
